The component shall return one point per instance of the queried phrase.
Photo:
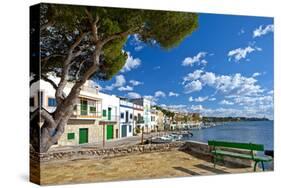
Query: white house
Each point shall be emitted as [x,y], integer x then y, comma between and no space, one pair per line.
[110,115]
[138,118]
[146,112]
[126,118]
[154,119]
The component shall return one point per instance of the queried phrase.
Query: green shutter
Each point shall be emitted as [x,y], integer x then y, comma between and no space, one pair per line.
[84,107]
[104,113]
[92,109]
[109,113]
[70,136]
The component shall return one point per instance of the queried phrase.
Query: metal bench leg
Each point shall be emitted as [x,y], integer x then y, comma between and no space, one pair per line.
[255,166]
[262,165]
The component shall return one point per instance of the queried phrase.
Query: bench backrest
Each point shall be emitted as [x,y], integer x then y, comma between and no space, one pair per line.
[247,146]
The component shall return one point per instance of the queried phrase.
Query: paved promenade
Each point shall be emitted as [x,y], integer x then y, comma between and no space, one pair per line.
[131,167]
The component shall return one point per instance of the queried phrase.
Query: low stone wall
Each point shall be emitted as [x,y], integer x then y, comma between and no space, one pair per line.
[193,147]
[203,149]
[102,153]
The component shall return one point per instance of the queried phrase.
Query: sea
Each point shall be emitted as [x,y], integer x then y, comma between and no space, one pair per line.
[258,132]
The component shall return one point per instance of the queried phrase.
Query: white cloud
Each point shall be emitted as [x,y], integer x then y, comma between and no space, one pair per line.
[138,48]
[256,74]
[131,63]
[156,68]
[195,85]
[172,94]
[119,82]
[127,88]
[190,61]
[95,84]
[212,99]
[261,30]
[193,76]
[133,95]
[152,99]
[136,42]
[230,84]
[225,102]
[240,53]
[241,32]
[208,78]
[196,108]
[135,82]
[159,94]
[254,111]
[198,99]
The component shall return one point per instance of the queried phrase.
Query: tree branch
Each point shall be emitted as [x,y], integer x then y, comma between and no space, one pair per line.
[66,66]
[94,26]
[48,118]
[45,78]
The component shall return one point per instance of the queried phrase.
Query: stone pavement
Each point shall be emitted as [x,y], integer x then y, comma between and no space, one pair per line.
[138,166]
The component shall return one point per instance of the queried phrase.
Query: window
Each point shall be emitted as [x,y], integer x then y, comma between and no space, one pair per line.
[93,109]
[31,101]
[70,136]
[130,128]
[131,116]
[83,107]
[122,115]
[52,102]
[104,113]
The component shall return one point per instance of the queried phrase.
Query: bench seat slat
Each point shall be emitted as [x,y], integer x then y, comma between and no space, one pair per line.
[240,155]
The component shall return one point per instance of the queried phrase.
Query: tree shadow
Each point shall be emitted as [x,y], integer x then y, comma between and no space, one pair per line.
[211,169]
[187,171]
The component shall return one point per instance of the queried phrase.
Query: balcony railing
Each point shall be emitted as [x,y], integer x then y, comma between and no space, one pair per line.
[87,112]
[110,118]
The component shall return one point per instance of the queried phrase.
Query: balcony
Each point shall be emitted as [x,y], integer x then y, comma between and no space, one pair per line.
[110,118]
[87,109]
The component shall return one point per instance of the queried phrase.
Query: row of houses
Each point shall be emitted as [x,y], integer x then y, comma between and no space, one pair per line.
[99,116]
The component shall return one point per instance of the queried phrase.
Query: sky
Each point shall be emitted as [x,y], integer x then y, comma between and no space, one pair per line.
[224,68]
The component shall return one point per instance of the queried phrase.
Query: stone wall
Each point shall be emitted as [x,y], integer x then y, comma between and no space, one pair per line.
[192,147]
[202,149]
[102,153]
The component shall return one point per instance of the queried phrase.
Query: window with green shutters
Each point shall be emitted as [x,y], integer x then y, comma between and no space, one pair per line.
[104,113]
[92,109]
[84,107]
[70,136]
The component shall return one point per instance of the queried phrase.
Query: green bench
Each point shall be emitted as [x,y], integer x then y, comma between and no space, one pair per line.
[218,152]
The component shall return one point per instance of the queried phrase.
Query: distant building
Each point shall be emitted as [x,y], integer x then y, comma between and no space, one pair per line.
[138,118]
[126,118]
[159,120]
[146,112]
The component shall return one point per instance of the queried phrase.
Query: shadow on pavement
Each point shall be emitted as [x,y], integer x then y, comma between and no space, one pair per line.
[186,171]
[211,169]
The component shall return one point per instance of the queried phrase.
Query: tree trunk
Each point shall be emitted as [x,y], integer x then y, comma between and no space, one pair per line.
[42,138]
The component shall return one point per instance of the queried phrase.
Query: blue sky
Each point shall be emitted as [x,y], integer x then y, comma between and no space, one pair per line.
[225,68]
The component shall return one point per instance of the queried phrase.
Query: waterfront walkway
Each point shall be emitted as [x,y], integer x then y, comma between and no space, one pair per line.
[131,167]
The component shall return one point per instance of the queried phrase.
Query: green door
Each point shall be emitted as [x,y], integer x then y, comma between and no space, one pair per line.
[109,132]
[84,107]
[124,131]
[83,135]
[109,113]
